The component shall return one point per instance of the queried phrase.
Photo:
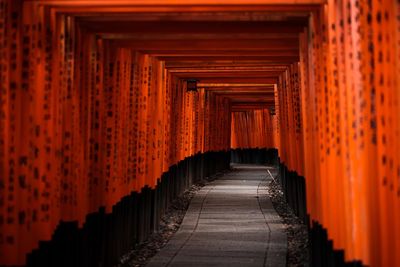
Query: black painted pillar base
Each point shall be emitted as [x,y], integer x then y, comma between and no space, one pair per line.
[254,156]
[104,238]
[322,253]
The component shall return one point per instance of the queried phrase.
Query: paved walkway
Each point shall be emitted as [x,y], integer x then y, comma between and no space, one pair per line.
[230,222]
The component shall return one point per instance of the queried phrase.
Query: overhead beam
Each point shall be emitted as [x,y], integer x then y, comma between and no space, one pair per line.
[241,89]
[241,74]
[173,27]
[240,80]
[265,94]
[210,45]
[284,53]
[227,85]
[271,59]
[197,36]
[225,63]
[300,16]
[90,7]
[221,69]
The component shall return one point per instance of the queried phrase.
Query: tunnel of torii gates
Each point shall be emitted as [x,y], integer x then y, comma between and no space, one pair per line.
[96,119]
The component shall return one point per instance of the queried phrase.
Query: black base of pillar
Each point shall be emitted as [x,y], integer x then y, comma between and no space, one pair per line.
[254,156]
[322,253]
[104,238]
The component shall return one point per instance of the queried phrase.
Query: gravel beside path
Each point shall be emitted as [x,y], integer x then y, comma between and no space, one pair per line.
[297,232]
[141,254]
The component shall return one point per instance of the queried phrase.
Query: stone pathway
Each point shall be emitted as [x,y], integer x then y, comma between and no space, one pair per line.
[230,222]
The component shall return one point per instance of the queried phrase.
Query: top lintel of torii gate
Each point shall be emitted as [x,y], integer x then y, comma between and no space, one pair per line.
[180,2]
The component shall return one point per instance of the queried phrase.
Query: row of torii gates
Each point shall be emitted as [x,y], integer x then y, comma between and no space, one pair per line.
[95,110]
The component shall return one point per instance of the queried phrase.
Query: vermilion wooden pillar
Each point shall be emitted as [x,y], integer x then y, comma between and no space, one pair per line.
[252,129]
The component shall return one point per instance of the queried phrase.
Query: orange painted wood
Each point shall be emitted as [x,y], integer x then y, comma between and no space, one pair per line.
[93,107]
[252,129]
